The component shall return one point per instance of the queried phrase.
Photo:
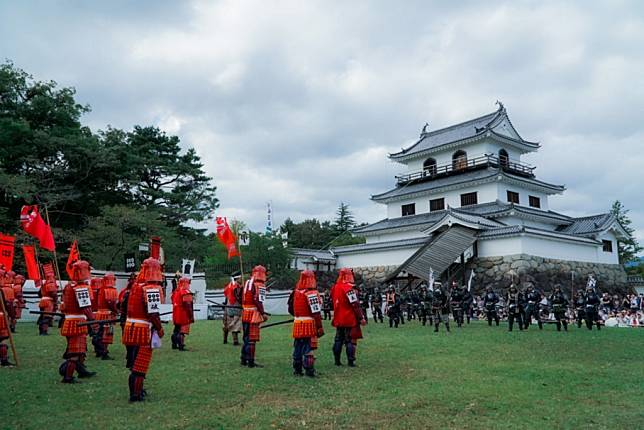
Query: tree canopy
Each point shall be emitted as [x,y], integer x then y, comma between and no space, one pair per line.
[110,189]
[629,247]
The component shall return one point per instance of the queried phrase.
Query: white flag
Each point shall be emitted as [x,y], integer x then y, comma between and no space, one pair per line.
[431,279]
[591,282]
[469,282]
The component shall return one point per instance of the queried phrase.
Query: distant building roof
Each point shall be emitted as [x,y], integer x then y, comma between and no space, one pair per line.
[465,130]
[314,254]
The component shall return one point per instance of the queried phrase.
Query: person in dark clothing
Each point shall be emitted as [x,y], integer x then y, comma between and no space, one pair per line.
[559,305]
[514,302]
[532,299]
[490,299]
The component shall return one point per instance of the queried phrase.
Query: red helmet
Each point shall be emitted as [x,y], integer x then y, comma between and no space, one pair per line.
[10,275]
[346,276]
[184,283]
[81,271]
[151,271]
[19,279]
[109,280]
[96,283]
[307,281]
[259,273]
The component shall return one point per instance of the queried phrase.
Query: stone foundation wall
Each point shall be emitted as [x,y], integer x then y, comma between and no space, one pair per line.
[545,273]
[373,276]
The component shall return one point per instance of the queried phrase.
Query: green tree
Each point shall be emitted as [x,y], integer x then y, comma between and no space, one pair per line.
[344,220]
[629,247]
[111,189]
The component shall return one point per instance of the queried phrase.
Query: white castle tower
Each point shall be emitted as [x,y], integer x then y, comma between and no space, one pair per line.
[467,200]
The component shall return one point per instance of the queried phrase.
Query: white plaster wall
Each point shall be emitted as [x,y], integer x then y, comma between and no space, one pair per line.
[608,257]
[524,195]
[499,247]
[486,193]
[473,150]
[375,258]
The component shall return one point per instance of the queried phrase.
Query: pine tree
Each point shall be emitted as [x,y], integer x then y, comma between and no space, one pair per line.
[628,247]
[344,220]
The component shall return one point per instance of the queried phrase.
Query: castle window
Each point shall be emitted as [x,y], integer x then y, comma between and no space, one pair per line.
[513,197]
[504,158]
[429,166]
[459,160]
[436,205]
[409,209]
[468,199]
[535,202]
[607,245]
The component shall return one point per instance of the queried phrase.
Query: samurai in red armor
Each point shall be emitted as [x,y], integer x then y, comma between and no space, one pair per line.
[48,303]
[107,310]
[143,324]
[8,282]
[305,304]
[6,294]
[253,314]
[347,317]
[18,282]
[77,307]
[182,313]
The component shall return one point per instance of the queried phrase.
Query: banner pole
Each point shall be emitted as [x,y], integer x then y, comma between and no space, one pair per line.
[60,282]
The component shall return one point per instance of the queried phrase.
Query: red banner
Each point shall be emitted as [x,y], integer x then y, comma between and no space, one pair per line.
[6,251]
[33,224]
[155,247]
[227,237]
[30,261]
[74,256]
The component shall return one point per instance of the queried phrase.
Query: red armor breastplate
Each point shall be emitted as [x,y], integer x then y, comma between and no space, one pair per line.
[248,298]
[136,306]
[301,303]
[69,299]
[106,295]
[343,313]
[179,312]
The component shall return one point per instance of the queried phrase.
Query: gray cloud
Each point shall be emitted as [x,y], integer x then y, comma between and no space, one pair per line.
[299,102]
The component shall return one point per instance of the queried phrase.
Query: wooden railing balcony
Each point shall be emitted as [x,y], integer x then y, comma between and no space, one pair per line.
[463,164]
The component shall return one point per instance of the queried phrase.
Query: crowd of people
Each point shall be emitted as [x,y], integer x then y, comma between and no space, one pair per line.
[92,306]
[518,306]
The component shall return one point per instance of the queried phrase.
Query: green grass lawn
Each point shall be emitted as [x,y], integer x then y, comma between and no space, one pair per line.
[476,377]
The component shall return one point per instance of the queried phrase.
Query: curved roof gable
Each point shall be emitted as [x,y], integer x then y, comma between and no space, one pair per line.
[496,123]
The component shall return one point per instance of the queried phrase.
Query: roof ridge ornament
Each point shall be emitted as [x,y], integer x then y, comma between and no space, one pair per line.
[501,107]
[424,130]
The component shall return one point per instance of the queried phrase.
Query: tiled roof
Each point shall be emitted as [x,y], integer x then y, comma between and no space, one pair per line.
[487,174]
[463,178]
[405,221]
[313,253]
[457,132]
[588,224]
[402,243]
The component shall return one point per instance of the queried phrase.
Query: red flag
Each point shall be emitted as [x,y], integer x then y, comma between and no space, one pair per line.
[74,256]
[30,261]
[6,251]
[33,224]
[227,237]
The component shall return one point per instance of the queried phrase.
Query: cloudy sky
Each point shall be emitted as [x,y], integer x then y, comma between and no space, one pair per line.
[299,102]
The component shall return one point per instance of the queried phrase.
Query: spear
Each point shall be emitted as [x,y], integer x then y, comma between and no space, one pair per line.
[53,314]
[218,305]
[276,323]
